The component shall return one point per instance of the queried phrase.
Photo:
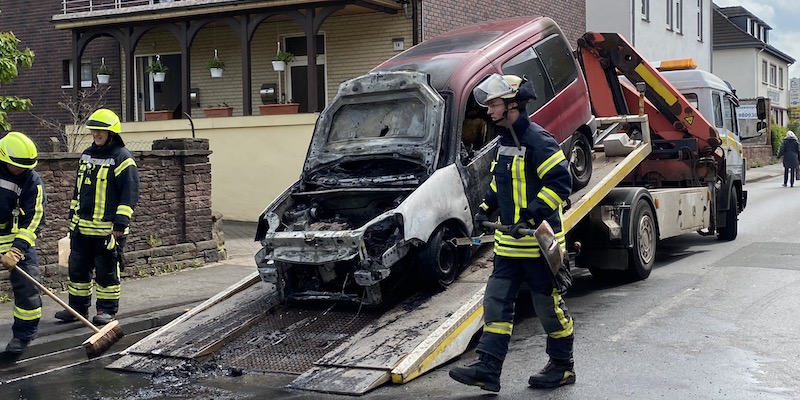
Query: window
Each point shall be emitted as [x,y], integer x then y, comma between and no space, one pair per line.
[763,71]
[730,115]
[773,74]
[780,77]
[669,15]
[699,20]
[679,16]
[66,74]
[528,64]
[717,103]
[556,56]
[691,98]
[646,10]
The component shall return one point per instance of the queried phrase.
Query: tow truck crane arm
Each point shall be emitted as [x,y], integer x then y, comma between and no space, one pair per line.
[672,117]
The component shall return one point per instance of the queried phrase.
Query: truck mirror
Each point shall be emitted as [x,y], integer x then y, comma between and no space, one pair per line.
[761,108]
[761,127]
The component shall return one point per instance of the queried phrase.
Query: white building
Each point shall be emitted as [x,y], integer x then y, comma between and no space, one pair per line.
[744,57]
[658,29]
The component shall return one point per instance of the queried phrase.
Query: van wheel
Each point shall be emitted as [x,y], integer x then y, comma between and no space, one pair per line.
[580,161]
[644,236]
[731,229]
[439,261]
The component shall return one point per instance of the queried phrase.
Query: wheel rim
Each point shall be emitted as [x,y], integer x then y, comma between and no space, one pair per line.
[447,258]
[645,236]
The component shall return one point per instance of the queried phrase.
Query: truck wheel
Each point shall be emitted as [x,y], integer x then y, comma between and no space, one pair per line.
[580,161]
[438,260]
[644,236]
[731,229]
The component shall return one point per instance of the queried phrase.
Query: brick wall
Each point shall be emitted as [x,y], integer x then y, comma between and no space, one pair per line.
[758,154]
[440,16]
[30,22]
[171,227]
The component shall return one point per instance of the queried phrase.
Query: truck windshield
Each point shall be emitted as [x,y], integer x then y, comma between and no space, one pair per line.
[396,118]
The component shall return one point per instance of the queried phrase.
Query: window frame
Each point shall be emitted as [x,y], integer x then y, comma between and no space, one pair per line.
[645,11]
[700,21]
[67,66]
[764,71]
[773,74]
[670,17]
[678,19]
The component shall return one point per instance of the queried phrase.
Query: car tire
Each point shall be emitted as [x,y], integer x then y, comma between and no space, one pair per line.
[731,229]
[580,161]
[438,261]
[644,239]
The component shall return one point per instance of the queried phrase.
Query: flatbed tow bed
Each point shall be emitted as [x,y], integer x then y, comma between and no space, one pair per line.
[346,350]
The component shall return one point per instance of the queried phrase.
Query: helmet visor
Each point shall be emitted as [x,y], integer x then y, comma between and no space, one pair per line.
[491,88]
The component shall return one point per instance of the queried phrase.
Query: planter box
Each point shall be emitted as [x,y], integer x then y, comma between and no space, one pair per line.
[161,115]
[276,109]
[218,112]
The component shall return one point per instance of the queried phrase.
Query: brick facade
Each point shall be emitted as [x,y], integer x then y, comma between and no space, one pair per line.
[42,83]
[171,227]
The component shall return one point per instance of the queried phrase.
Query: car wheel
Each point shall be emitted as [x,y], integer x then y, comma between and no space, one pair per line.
[580,161]
[731,229]
[438,260]
[644,236]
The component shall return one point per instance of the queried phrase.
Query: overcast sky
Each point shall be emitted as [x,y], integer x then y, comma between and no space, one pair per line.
[784,18]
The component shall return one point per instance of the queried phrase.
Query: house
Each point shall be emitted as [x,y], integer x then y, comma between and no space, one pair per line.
[659,30]
[744,57]
[331,41]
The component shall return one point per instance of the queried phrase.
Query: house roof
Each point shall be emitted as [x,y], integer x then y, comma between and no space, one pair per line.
[739,11]
[728,35]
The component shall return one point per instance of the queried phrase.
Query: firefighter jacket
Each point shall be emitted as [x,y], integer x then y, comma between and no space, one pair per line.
[106,190]
[529,184]
[22,202]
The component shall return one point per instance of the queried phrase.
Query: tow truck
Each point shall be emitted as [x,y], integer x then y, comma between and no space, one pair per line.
[660,169]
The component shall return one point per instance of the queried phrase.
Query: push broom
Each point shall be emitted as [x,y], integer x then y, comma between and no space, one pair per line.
[102,339]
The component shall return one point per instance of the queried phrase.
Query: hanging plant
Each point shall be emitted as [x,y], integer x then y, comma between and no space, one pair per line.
[216,66]
[104,73]
[280,60]
[158,69]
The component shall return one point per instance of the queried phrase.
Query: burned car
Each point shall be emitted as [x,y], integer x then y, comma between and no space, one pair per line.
[399,161]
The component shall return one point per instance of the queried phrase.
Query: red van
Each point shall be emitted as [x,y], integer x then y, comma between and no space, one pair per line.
[399,162]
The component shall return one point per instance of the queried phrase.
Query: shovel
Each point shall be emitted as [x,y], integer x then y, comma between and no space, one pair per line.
[547,242]
[102,339]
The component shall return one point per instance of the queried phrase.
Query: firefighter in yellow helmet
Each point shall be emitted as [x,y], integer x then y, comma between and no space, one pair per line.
[22,203]
[106,192]
[530,180]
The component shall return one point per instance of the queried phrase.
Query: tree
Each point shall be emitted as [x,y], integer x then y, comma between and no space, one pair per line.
[11,58]
[72,134]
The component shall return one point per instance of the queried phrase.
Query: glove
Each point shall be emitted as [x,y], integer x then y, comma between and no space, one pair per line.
[479,218]
[515,230]
[11,258]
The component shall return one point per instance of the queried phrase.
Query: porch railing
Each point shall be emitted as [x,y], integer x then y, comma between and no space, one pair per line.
[83,6]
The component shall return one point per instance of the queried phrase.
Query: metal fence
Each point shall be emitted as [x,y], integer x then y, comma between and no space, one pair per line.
[81,6]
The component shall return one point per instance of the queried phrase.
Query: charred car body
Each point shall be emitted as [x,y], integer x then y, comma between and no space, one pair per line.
[399,160]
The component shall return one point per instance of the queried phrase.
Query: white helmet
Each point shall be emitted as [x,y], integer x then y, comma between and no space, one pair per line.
[496,85]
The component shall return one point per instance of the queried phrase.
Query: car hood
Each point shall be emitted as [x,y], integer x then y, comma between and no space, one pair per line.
[393,114]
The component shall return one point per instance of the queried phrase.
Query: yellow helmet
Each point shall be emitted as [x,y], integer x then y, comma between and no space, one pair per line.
[18,150]
[104,120]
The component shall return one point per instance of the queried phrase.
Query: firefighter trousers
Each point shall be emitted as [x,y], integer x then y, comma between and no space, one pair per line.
[90,256]
[498,304]
[27,298]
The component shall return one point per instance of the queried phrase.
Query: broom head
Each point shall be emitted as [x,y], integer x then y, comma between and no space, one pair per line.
[103,340]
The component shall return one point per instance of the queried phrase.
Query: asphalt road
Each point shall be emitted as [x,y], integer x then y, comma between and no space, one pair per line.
[715,320]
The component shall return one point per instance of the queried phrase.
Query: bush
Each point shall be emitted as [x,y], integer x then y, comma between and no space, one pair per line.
[778,134]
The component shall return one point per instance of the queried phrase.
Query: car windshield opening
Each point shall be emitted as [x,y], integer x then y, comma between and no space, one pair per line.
[387,119]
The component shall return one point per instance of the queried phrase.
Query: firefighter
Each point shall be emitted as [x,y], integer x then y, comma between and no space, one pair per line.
[106,192]
[530,180]
[22,201]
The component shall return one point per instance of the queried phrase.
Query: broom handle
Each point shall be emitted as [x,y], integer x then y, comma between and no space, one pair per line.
[59,301]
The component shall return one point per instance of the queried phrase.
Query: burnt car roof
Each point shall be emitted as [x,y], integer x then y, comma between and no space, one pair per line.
[454,52]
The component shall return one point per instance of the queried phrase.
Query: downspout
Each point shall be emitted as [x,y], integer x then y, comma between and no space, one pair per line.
[415,21]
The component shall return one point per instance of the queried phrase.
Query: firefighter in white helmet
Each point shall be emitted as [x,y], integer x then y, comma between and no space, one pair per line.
[22,203]
[530,180]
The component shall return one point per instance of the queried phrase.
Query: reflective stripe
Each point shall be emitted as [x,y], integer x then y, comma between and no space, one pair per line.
[484,207]
[8,185]
[108,293]
[550,197]
[548,164]
[500,328]
[27,315]
[122,209]
[511,151]
[125,164]
[493,185]
[28,233]
[519,186]
[97,161]
[100,188]
[566,322]
[79,289]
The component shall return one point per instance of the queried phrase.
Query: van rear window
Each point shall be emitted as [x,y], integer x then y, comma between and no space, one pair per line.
[452,44]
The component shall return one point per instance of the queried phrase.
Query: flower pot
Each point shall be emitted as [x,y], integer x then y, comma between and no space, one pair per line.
[216,72]
[160,115]
[103,79]
[159,76]
[278,65]
[212,112]
[276,109]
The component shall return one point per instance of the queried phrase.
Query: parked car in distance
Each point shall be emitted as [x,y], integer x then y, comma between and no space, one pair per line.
[399,162]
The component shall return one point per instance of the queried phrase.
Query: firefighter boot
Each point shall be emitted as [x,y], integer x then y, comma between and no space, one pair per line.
[16,346]
[556,373]
[102,318]
[484,373]
[66,316]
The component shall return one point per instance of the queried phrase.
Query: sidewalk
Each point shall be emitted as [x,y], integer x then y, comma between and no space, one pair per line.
[152,302]
[146,303]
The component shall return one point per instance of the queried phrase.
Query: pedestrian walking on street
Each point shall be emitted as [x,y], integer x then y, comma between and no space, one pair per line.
[106,192]
[790,151]
[530,180]
[22,204]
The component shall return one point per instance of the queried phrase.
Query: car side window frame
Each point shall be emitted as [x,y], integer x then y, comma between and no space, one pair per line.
[558,61]
[527,63]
